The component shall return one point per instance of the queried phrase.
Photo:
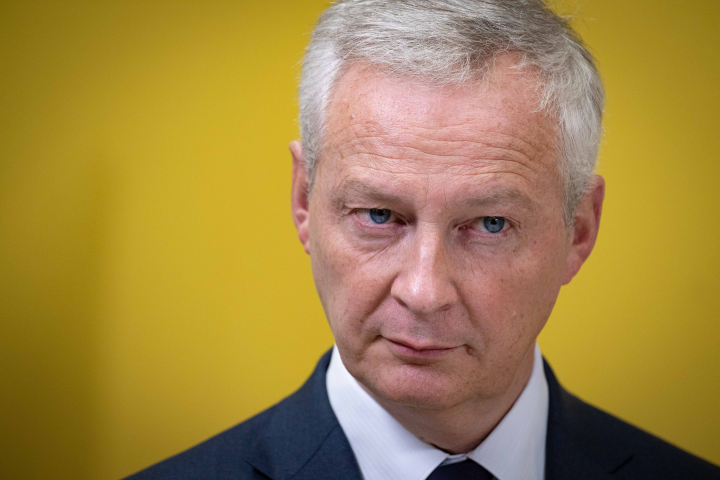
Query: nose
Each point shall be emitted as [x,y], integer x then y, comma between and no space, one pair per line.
[425,282]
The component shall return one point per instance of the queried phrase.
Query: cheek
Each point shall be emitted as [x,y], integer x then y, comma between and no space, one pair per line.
[511,297]
[351,284]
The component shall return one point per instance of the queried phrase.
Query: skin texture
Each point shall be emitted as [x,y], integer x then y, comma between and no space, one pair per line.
[435,316]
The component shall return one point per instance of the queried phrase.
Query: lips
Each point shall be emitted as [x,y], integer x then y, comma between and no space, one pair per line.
[410,350]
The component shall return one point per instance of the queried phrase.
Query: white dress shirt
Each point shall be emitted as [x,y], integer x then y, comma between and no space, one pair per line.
[384,449]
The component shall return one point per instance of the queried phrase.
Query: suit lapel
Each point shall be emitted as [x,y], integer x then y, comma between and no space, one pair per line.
[578,443]
[304,441]
[303,438]
[333,460]
[564,461]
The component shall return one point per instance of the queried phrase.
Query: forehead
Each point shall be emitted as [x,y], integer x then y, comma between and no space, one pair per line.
[490,128]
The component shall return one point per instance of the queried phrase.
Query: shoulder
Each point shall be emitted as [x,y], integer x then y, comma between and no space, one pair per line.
[224,456]
[649,453]
[616,446]
[277,441]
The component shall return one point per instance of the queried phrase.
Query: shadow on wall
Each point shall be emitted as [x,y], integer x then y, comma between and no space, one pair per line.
[52,216]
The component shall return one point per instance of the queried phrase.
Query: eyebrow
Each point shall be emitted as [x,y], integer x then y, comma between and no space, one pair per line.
[369,192]
[357,187]
[504,197]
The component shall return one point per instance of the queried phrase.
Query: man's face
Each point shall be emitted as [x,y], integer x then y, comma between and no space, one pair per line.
[436,234]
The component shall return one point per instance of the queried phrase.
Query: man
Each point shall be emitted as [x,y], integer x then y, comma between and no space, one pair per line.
[444,191]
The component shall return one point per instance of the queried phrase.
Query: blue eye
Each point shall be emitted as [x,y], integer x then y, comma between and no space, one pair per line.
[493,224]
[380,215]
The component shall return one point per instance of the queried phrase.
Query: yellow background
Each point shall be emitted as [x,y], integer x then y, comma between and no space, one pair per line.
[152,290]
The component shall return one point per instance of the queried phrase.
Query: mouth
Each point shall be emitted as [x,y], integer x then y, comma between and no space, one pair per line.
[404,349]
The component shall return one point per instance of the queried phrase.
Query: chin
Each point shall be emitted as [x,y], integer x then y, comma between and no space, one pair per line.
[419,386]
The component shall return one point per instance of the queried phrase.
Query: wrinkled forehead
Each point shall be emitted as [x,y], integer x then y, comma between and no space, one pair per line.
[370,108]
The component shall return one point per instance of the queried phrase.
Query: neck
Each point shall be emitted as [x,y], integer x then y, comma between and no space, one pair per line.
[462,427]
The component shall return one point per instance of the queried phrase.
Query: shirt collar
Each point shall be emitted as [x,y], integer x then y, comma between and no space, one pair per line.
[514,450]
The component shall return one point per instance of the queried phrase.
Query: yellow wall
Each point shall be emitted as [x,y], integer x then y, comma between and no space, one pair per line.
[152,291]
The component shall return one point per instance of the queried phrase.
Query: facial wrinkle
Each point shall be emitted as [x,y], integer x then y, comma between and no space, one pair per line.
[497,143]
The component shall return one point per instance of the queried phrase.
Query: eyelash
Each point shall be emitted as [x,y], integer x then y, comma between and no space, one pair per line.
[394,217]
[507,223]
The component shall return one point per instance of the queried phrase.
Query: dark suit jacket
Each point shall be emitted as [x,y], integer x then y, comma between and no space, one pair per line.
[301,439]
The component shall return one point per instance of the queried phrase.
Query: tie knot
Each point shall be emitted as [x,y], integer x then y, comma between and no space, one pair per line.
[465,470]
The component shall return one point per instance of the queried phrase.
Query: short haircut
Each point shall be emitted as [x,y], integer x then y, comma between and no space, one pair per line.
[445,42]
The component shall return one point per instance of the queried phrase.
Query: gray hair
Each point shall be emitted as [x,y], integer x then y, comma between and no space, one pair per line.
[441,42]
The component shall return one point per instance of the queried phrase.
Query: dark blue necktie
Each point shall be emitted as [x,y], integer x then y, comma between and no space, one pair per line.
[465,470]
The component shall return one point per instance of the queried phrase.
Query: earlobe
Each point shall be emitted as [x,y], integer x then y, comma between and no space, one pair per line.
[299,195]
[586,227]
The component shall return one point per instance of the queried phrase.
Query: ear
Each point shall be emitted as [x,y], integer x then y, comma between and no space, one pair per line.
[299,195]
[585,229]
